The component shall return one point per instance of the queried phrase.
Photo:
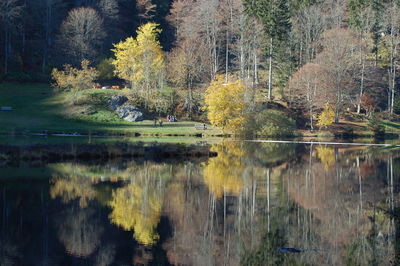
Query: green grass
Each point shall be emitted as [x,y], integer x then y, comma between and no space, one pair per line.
[37,108]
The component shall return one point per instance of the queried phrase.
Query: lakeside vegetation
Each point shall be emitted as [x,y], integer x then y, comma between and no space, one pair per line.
[264,68]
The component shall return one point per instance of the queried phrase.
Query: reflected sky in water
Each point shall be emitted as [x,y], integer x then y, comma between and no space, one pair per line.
[253,204]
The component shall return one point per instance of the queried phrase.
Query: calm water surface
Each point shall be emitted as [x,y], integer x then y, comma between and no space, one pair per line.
[254,204]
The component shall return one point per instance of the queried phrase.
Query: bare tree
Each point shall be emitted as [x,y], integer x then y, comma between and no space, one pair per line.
[309,86]
[393,26]
[308,26]
[146,8]
[81,34]
[109,8]
[335,11]
[10,11]
[337,58]
[363,31]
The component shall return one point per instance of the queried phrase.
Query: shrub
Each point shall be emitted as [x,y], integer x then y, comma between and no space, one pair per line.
[274,123]
[375,125]
[75,79]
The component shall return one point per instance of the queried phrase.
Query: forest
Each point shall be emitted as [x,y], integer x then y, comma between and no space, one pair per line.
[261,66]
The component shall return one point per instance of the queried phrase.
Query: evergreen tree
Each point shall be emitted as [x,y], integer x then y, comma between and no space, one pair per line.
[275,16]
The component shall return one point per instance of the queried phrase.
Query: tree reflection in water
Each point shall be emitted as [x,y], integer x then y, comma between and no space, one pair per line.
[137,206]
[79,231]
[337,205]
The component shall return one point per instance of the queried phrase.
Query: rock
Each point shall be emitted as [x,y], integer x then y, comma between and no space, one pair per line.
[130,113]
[116,101]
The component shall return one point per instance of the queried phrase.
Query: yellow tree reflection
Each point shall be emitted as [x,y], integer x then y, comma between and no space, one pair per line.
[138,206]
[71,183]
[224,172]
[326,155]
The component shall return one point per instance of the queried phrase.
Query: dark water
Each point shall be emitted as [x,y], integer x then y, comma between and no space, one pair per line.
[254,204]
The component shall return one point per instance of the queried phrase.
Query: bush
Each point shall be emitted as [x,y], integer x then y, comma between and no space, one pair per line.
[106,69]
[273,123]
[75,79]
[375,125]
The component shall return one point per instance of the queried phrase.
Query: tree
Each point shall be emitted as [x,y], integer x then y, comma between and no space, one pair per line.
[327,117]
[361,19]
[337,59]
[141,61]
[225,104]
[308,84]
[75,79]
[393,27]
[109,8]
[81,34]
[184,69]
[146,9]
[308,25]
[50,21]
[10,11]
[368,103]
[275,16]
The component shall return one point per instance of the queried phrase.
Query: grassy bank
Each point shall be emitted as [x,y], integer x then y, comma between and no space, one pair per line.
[37,109]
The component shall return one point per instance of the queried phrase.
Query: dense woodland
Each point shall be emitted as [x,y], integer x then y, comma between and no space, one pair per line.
[332,56]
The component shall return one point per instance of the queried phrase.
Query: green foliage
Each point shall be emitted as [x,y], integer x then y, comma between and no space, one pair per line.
[354,7]
[375,125]
[106,69]
[327,117]
[73,78]
[274,14]
[273,123]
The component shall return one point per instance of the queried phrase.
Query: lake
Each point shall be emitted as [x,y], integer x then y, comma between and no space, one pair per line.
[253,204]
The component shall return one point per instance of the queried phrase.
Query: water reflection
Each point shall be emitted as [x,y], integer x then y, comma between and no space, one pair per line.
[254,204]
[79,231]
[137,206]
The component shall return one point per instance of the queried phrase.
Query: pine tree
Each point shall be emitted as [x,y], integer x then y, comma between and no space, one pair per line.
[275,16]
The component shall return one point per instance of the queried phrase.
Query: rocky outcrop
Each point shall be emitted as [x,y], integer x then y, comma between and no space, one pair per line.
[130,113]
[116,101]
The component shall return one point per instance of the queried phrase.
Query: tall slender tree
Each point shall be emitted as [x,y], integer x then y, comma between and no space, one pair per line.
[275,16]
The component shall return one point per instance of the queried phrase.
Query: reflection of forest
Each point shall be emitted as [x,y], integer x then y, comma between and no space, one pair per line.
[243,205]
[341,203]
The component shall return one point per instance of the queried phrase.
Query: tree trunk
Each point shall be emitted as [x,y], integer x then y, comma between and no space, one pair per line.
[361,86]
[227,57]
[270,71]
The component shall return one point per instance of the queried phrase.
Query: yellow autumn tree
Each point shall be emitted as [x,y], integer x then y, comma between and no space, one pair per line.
[327,117]
[226,105]
[140,60]
[223,174]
